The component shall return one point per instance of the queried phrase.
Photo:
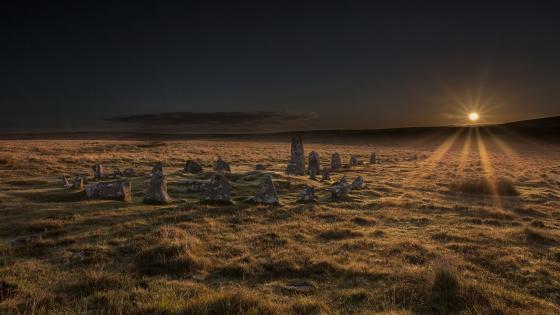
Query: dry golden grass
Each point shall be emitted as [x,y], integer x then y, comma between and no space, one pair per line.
[428,234]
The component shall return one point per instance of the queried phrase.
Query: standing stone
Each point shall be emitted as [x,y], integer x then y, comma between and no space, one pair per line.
[221,166]
[307,194]
[314,162]
[373,158]
[193,167]
[129,172]
[291,169]
[267,193]
[78,183]
[219,190]
[297,155]
[326,175]
[340,189]
[65,182]
[117,173]
[353,161]
[157,191]
[98,172]
[158,168]
[117,190]
[312,174]
[358,183]
[336,162]
[259,167]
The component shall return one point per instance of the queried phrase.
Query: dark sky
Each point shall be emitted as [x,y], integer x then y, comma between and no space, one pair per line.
[85,65]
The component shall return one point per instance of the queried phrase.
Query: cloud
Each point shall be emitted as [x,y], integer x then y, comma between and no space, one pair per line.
[241,121]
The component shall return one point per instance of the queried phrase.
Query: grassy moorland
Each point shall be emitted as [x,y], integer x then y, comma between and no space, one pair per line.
[430,233]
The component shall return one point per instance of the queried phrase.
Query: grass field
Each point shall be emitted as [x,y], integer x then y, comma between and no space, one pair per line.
[430,233]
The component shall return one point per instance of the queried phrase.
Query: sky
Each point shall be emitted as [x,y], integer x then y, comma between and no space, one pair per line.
[241,66]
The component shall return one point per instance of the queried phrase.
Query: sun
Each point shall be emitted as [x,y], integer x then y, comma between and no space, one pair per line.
[473,116]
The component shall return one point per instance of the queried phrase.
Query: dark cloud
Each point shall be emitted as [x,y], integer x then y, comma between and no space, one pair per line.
[243,121]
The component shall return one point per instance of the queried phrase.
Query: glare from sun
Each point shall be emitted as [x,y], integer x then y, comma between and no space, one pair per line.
[473,116]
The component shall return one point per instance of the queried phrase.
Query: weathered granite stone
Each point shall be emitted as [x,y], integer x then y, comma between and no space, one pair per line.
[259,167]
[307,194]
[129,172]
[314,163]
[336,162]
[353,161]
[325,174]
[373,158]
[291,169]
[193,167]
[219,190]
[116,190]
[358,183]
[65,182]
[267,192]
[157,191]
[298,156]
[98,172]
[221,166]
[340,189]
[158,168]
[78,183]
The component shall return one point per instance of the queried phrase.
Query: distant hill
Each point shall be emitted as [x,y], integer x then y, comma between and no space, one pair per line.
[544,129]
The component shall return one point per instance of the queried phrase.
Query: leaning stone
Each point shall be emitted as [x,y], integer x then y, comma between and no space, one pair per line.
[98,172]
[325,174]
[353,161]
[221,166]
[336,162]
[158,168]
[340,189]
[314,162]
[116,190]
[312,174]
[157,191]
[297,155]
[195,186]
[307,194]
[267,192]
[78,183]
[358,183]
[65,182]
[259,167]
[193,167]
[219,190]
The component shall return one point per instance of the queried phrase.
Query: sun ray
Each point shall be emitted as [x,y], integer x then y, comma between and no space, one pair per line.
[487,167]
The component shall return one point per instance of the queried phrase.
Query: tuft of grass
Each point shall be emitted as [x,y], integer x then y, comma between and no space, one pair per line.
[333,235]
[235,301]
[445,294]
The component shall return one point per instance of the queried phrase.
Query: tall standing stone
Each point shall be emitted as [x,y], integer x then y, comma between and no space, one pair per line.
[219,190]
[157,191]
[314,163]
[78,183]
[312,174]
[325,174]
[221,166]
[336,162]
[298,156]
[158,168]
[267,192]
[98,172]
[373,158]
